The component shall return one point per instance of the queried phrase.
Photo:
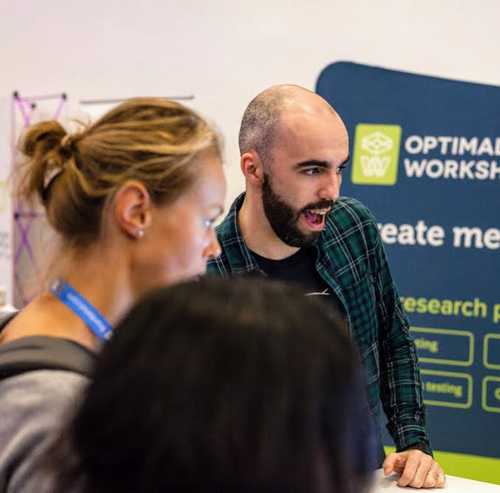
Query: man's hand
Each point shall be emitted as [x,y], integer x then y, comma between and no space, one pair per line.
[416,469]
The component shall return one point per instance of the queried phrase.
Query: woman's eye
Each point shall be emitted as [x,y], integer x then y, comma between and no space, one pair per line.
[209,223]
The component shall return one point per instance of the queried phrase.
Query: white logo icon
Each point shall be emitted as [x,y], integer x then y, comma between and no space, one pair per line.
[376,144]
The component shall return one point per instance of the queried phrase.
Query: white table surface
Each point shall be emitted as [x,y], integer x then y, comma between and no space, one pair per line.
[453,485]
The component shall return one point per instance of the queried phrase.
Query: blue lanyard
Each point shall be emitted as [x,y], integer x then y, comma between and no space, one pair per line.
[92,317]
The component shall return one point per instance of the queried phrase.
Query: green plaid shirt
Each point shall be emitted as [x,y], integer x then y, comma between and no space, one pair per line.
[352,261]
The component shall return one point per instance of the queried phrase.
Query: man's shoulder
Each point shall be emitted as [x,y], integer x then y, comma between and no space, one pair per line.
[219,266]
[235,257]
[350,219]
[351,209]
[225,230]
[227,238]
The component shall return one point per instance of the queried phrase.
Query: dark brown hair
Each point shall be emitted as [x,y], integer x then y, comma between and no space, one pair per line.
[237,386]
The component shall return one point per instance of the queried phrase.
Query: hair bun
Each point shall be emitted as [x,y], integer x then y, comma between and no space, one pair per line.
[67,142]
[42,138]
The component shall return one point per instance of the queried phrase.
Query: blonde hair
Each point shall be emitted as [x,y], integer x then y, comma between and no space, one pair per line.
[155,141]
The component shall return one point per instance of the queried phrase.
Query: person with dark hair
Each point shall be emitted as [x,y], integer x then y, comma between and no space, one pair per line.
[291,224]
[133,198]
[220,386]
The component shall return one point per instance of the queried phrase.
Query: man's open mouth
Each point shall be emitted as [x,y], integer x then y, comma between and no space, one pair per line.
[316,217]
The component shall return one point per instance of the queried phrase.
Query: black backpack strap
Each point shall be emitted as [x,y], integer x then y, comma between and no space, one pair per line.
[44,353]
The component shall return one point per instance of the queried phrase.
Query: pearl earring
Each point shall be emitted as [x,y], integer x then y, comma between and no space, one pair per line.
[139,233]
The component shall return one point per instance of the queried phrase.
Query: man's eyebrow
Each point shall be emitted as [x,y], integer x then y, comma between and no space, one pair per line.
[312,162]
[319,164]
[345,161]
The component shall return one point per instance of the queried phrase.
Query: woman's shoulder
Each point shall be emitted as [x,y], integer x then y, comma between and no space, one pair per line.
[39,386]
[34,405]
[35,400]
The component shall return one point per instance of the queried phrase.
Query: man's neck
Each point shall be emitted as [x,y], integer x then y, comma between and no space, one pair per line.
[258,234]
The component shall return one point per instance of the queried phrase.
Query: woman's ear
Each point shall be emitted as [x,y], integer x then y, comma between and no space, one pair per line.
[133,208]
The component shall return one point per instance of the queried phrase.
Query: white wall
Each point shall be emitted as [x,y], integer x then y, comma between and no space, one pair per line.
[224,52]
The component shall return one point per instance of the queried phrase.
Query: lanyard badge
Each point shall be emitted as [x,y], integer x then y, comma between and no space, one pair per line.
[90,315]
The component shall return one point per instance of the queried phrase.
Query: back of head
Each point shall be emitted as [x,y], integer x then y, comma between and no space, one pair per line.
[223,385]
[151,140]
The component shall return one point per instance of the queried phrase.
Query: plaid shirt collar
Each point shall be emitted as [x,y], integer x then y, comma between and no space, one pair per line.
[242,260]
[232,242]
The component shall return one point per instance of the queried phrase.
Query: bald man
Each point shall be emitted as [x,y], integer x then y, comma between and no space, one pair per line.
[291,224]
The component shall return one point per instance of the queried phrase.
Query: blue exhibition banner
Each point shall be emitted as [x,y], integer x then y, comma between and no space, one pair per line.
[425,156]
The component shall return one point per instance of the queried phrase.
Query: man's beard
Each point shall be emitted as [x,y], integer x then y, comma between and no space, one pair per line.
[284,219]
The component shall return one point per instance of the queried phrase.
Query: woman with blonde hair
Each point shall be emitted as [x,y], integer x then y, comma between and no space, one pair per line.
[133,198]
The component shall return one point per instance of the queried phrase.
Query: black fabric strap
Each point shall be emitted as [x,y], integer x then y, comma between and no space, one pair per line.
[43,353]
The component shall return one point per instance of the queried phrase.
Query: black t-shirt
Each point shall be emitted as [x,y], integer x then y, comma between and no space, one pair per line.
[300,269]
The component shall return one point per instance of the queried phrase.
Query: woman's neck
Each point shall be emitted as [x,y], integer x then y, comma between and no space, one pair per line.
[101,280]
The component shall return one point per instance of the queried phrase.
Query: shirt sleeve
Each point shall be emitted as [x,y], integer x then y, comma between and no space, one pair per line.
[34,405]
[400,382]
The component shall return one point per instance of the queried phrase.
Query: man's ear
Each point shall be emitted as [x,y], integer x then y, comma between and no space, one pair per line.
[133,208]
[252,167]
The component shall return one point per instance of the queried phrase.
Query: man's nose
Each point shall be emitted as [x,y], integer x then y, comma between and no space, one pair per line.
[330,187]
